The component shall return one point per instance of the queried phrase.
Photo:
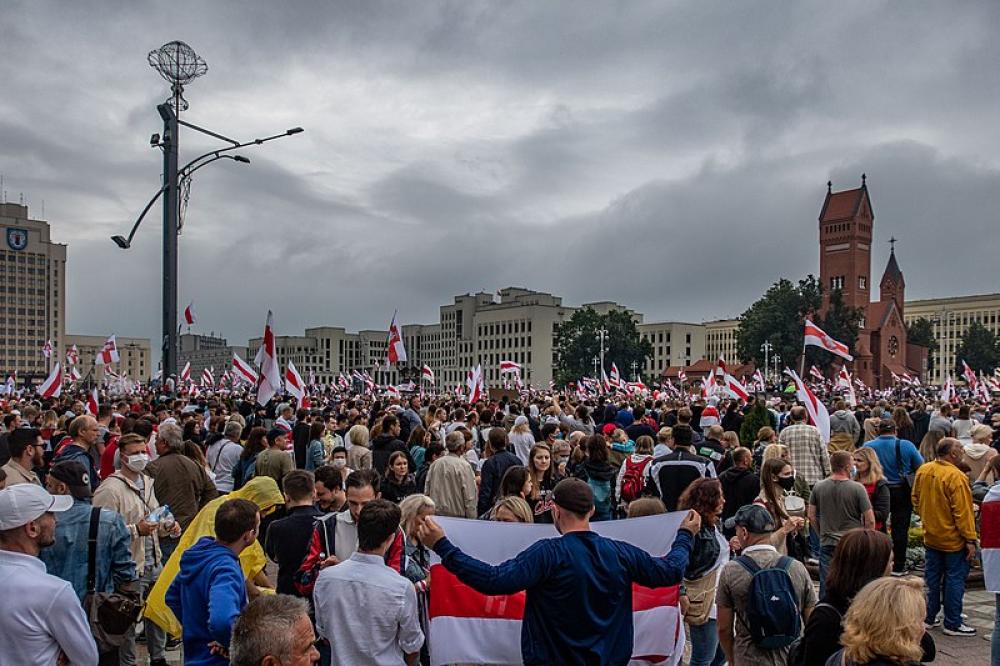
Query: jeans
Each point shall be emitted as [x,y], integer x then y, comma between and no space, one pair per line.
[156,639]
[900,511]
[814,548]
[167,547]
[995,644]
[947,570]
[705,647]
[825,557]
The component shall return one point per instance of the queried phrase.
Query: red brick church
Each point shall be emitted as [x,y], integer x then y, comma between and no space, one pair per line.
[846,224]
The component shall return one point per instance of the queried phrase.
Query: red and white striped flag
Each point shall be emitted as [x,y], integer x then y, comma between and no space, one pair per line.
[52,386]
[207,378]
[970,376]
[427,374]
[108,353]
[267,361]
[682,376]
[47,349]
[243,371]
[469,627]
[396,348]
[990,537]
[816,374]
[615,377]
[605,382]
[73,356]
[189,315]
[92,402]
[948,390]
[758,379]
[474,382]
[736,388]
[74,374]
[509,366]
[818,415]
[186,372]
[294,383]
[815,336]
[709,385]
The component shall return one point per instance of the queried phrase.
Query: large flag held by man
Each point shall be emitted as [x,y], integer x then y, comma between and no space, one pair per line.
[469,627]
[267,361]
[293,382]
[817,337]
[108,353]
[52,386]
[818,415]
[396,349]
[242,370]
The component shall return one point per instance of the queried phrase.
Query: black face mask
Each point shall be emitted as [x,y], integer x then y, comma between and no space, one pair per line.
[786,482]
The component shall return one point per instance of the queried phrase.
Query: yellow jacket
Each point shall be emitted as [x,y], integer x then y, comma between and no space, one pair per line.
[262,491]
[942,497]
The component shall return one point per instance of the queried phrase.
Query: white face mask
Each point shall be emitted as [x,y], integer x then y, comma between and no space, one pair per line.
[138,462]
[339,463]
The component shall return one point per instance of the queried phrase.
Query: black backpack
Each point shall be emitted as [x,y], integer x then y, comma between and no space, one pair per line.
[773,616]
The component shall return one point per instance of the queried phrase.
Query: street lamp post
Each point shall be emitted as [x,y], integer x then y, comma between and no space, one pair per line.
[777,372]
[635,365]
[602,334]
[767,347]
[596,361]
[178,64]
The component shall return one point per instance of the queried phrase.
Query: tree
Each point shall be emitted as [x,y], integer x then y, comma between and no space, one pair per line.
[576,344]
[921,332]
[978,348]
[756,418]
[777,318]
[842,323]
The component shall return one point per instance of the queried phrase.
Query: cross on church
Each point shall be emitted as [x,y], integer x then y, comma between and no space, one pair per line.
[892,244]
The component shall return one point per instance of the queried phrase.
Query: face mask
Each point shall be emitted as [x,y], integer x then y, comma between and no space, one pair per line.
[563,459]
[786,482]
[854,471]
[138,462]
[339,463]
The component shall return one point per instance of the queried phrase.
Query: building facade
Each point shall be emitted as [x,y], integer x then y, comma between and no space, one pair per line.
[720,339]
[134,357]
[674,344]
[950,317]
[32,294]
[207,351]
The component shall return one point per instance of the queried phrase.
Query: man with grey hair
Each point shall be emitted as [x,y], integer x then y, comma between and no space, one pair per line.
[178,481]
[223,455]
[83,449]
[451,482]
[274,630]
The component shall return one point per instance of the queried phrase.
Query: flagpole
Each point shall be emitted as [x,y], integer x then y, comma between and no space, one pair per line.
[802,363]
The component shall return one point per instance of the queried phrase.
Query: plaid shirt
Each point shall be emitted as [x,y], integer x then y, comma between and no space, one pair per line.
[808,452]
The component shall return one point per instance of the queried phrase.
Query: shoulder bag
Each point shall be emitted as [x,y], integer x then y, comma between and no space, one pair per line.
[110,614]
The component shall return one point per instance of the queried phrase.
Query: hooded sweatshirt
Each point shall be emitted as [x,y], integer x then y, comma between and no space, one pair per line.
[207,597]
[843,420]
[977,456]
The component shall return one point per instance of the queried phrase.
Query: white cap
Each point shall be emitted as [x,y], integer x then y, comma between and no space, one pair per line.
[24,502]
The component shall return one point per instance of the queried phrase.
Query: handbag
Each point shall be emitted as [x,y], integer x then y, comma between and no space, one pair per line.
[701,597]
[110,614]
[907,478]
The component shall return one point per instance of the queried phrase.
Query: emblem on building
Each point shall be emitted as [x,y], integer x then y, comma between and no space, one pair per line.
[17,239]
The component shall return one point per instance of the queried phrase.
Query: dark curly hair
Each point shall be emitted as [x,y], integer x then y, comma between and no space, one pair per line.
[703,496]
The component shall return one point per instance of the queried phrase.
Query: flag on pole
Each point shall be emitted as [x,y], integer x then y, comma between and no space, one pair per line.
[243,371]
[467,626]
[52,386]
[72,356]
[267,361]
[474,382]
[989,517]
[189,315]
[74,374]
[427,374]
[108,353]
[758,379]
[293,382]
[844,381]
[605,382]
[615,377]
[948,390]
[818,415]
[682,376]
[47,349]
[736,388]
[970,376]
[816,374]
[186,372]
[815,336]
[396,349]
[207,378]
[709,385]
[92,402]
[509,366]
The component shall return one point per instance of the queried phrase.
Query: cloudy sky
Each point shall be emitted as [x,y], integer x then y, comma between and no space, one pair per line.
[672,156]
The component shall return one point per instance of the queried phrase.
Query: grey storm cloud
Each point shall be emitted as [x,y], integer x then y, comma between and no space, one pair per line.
[672,157]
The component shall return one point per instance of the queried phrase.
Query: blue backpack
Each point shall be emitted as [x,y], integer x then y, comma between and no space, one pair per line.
[602,498]
[773,616]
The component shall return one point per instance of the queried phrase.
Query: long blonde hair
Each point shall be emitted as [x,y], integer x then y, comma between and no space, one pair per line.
[358,435]
[411,507]
[875,473]
[774,451]
[886,619]
[516,505]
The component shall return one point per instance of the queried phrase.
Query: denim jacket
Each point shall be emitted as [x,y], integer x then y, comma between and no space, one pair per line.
[67,557]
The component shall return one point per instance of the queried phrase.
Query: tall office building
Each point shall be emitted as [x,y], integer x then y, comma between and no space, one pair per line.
[32,293]
[207,351]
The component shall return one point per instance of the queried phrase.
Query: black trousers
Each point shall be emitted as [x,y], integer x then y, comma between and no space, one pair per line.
[900,511]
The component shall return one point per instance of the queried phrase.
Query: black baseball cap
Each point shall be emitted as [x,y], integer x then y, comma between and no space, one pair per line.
[754,517]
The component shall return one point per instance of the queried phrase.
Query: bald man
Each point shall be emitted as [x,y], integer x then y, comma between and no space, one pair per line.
[85,433]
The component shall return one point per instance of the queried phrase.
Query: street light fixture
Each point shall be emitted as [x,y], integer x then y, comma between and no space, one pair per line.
[179,65]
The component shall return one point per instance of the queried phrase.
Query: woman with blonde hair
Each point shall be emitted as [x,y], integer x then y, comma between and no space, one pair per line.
[359,456]
[520,439]
[980,451]
[884,625]
[870,475]
[413,509]
[512,509]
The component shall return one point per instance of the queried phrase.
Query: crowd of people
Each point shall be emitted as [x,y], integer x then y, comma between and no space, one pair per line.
[285,534]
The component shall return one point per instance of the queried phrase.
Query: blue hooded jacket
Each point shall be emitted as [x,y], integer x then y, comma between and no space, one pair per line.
[207,597]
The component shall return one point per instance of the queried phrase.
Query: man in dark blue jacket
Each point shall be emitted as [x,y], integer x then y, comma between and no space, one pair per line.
[209,591]
[494,468]
[578,608]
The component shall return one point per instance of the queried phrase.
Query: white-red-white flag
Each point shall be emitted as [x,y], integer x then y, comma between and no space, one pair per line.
[47,349]
[294,383]
[818,415]
[74,374]
[469,627]
[108,353]
[474,382]
[948,390]
[267,361]
[509,366]
[615,377]
[816,374]
[682,376]
[736,388]
[427,374]
[92,402]
[605,381]
[189,314]
[396,348]
[970,376]
[73,355]
[815,336]
[242,370]
[52,386]
[186,372]
[758,379]
[207,378]
[709,386]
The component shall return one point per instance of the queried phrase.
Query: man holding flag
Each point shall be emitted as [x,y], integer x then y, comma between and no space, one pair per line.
[578,608]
